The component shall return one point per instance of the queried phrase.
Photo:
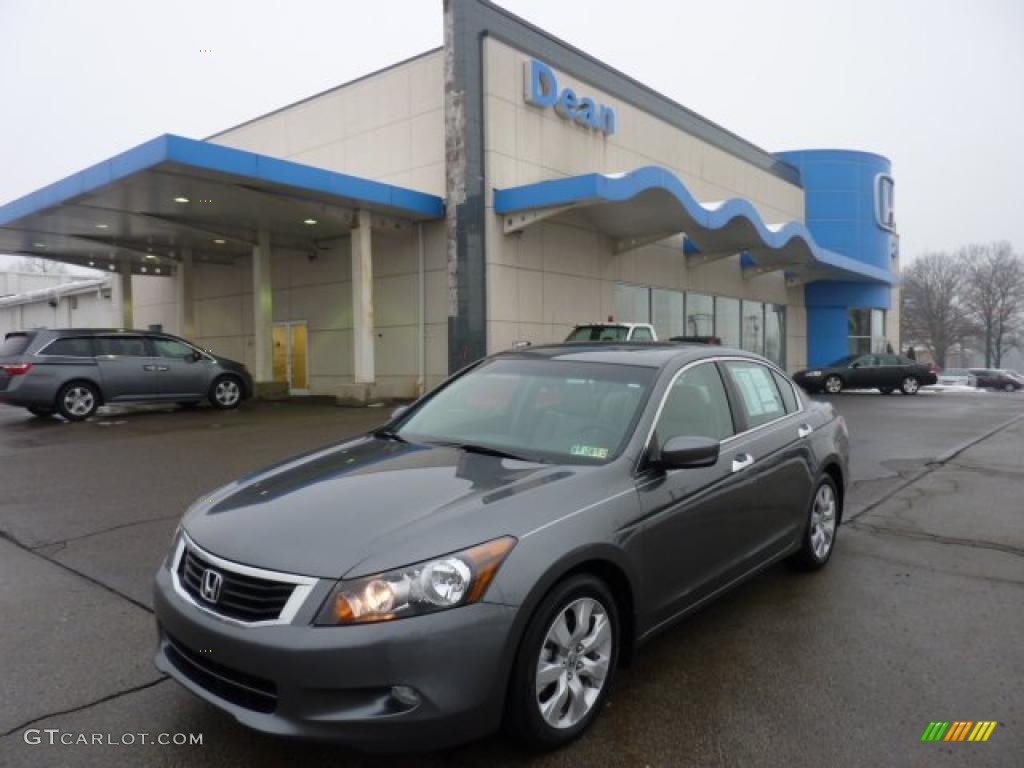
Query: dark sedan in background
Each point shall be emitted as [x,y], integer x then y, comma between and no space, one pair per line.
[886,373]
[74,371]
[497,549]
[995,378]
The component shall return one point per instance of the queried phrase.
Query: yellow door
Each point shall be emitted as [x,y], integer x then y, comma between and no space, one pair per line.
[280,338]
[299,373]
[291,356]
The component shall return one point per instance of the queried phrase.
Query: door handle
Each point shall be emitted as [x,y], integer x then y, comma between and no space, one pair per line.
[162,368]
[741,461]
[804,430]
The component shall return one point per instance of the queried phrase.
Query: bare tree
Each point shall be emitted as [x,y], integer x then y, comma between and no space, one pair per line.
[42,266]
[994,296]
[933,311]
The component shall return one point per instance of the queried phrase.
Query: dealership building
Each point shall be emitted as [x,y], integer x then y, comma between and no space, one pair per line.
[369,240]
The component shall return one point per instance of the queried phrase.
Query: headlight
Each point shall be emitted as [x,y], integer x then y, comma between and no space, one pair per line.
[812,373]
[445,582]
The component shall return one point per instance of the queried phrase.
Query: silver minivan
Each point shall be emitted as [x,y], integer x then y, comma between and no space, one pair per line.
[74,371]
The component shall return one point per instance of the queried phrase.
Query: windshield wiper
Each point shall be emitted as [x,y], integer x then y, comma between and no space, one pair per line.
[486,450]
[389,434]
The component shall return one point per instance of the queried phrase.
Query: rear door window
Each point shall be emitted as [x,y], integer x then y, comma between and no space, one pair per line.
[788,395]
[122,346]
[14,344]
[78,346]
[759,396]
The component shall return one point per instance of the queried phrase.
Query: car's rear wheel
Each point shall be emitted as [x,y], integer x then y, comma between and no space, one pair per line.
[565,664]
[886,390]
[910,385]
[833,385]
[40,412]
[78,400]
[226,392]
[820,537]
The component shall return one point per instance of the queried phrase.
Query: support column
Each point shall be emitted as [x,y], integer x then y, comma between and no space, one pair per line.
[262,307]
[362,300]
[127,306]
[185,296]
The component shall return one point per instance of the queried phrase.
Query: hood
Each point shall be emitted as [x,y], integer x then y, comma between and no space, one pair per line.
[373,503]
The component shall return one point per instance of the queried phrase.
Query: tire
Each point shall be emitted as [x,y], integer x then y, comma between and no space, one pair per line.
[41,413]
[567,676]
[819,539]
[886,390]
[910,385]
[78,400]
[226,392]
[1009,388]
[833,385]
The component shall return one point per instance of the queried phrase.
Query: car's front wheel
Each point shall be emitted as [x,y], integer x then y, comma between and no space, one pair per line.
[910,385]
[1009,388]
[226,392]
[833,385]
[565,664]
[78,400]
[820,536]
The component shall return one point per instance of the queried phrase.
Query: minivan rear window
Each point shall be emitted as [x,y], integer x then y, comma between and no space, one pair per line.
[15,344]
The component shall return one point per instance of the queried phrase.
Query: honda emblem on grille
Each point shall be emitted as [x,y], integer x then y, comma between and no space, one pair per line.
[212,582]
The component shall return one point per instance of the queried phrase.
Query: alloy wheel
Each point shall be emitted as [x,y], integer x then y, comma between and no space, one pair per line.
[227,392]
[574,663]
[910,386]
[823,521]
[79,401]
[833,385]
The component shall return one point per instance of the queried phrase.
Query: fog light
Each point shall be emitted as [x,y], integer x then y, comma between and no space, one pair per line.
[405,695]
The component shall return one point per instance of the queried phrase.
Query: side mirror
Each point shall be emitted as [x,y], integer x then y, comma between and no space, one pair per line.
[399,411]
[689,452]
[195,357]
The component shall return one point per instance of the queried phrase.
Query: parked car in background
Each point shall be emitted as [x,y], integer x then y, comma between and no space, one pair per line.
[993,378]
[886,373]
[500,547]
[957,377]
[613,332]
[74,371]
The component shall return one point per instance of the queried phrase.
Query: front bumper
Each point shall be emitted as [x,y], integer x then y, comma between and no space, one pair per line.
[335,683]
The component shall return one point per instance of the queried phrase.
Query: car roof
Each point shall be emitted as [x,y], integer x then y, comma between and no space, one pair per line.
[652,354]
[103,332]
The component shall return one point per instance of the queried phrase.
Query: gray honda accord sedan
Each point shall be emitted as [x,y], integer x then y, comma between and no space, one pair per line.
[497,550]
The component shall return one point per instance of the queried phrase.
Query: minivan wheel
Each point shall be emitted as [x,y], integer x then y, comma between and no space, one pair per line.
[565,664]
[833,385]
[78,400]
[226,392]
[820,536]
[909,386]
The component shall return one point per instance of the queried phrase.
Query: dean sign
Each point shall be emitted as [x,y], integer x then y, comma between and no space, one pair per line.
[541,89]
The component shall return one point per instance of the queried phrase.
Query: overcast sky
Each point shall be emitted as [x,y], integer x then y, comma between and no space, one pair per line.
[936,85]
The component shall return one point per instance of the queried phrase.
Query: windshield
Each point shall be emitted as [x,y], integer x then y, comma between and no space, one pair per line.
[843,362]
[541,410]
[599,333]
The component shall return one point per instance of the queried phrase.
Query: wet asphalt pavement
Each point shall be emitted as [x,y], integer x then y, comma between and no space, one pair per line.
[918,617]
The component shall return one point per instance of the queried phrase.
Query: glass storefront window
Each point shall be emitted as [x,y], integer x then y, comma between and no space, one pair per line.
[867,331]
[632,303]
[727,321]
[753,326]
[700,315]
[667,312]
[775,334]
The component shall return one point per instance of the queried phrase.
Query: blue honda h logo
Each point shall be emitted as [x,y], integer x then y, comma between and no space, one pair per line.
[210,589]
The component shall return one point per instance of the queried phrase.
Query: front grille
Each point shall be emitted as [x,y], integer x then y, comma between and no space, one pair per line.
[245,598]
[239,688]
